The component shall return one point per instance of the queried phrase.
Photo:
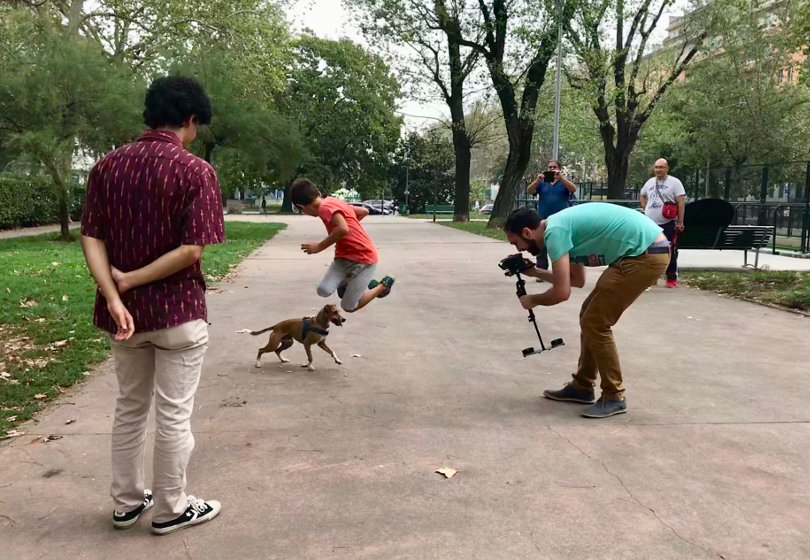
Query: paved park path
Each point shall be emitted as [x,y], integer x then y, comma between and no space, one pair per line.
[711,461]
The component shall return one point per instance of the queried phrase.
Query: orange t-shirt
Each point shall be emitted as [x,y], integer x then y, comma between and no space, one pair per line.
[354,246]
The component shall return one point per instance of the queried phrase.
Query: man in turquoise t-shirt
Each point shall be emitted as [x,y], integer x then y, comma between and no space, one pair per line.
[593,234]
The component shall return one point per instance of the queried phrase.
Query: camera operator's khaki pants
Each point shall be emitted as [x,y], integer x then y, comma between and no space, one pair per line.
[618,287]
[166,363]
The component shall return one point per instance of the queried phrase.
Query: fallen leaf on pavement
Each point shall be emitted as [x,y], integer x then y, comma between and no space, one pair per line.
[71,421]
[447,472]
[357,355]
[52,437]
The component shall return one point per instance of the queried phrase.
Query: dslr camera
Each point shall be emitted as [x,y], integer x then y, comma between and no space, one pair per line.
[515,264]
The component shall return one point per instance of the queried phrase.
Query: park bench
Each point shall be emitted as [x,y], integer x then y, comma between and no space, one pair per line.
[439,209]
[744,238]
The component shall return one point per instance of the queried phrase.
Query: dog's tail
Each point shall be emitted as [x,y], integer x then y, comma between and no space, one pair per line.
[254,333]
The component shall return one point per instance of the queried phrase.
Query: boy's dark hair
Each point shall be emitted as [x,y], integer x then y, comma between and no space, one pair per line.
[173,99]
[303,191]
[521,218]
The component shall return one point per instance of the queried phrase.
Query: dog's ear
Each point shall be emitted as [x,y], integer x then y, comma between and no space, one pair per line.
[322,318]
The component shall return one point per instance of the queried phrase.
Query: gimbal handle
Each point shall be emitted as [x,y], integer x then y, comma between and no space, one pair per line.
[520,285]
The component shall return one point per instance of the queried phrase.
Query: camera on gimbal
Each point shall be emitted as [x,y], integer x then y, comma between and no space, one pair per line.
[515,265]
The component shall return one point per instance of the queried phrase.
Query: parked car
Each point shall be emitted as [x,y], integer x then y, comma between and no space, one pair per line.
[383,207]
[371,209]
[486,209]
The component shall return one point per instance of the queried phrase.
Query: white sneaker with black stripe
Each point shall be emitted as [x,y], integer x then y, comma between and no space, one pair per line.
[198,511]
[126,519]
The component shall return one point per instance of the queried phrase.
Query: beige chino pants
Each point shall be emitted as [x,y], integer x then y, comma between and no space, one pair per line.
[167,364]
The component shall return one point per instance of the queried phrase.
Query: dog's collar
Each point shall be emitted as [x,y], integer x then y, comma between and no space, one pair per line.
[308,328]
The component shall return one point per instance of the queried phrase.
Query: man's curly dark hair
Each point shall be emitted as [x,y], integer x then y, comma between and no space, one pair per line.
[171,100]
[521,218]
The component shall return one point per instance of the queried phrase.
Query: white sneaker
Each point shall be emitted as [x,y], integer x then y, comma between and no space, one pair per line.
[198,511]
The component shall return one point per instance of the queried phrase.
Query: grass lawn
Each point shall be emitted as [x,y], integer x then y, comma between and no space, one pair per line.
[787,289]
[473,216]
[477,227]
[47,339]
[430,216]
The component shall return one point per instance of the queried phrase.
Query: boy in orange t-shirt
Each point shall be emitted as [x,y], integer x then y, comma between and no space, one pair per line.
[352,271]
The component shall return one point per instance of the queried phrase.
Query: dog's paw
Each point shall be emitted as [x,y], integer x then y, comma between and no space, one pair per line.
[338,362]
[258,363]
[306,365]
[284,360]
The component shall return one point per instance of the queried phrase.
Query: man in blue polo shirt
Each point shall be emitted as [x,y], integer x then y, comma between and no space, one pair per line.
[553,196]
[593,234]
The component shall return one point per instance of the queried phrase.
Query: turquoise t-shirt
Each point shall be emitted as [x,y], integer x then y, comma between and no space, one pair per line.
[598,233]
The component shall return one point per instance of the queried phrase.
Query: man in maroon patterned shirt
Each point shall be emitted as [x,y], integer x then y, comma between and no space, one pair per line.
[151,207]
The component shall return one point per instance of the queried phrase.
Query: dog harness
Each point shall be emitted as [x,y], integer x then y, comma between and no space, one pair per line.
[308,328]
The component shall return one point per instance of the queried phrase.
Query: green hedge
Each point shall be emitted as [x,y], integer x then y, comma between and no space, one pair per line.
[31,201]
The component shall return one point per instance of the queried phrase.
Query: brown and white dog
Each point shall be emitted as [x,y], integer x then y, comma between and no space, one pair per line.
[307,331]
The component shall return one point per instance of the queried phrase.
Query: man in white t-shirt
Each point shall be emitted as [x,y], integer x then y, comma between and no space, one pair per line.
[661,197]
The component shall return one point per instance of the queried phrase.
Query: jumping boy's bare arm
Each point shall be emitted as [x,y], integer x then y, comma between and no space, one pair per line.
[360,212]
[341,228]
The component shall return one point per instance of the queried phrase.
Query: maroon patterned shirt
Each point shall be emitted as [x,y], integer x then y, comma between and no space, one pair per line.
[144,200]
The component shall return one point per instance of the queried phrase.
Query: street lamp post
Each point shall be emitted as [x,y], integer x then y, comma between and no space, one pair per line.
[556,139]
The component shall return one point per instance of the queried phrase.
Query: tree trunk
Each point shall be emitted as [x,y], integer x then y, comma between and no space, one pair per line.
[617,160]
[455,101]
[74,17]
[617,174]
[286,204]
[64,214]
[59,169]
[520,151]
[208,151]
[461,205]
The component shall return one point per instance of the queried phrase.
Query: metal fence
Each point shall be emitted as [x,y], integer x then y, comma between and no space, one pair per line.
[775,194]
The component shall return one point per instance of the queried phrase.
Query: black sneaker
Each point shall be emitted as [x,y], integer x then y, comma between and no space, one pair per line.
[125,520]
[198,511]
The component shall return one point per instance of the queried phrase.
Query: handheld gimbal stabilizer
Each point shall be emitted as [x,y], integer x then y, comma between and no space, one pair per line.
[513,265]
